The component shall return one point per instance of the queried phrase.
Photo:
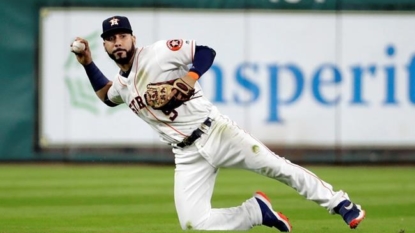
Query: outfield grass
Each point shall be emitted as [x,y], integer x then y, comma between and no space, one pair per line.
[104,198]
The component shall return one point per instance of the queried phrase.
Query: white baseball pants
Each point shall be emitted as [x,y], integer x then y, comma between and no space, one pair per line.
[226,145]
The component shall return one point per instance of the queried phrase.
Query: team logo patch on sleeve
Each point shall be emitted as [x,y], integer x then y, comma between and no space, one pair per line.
[174,45]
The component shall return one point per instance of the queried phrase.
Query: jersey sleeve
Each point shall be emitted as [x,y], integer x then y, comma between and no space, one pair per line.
[174,53]
[114,96]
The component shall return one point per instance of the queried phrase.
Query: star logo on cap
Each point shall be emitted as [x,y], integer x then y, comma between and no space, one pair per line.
[114,21]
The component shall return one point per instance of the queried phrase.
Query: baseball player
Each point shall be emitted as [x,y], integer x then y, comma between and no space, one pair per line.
[157,85]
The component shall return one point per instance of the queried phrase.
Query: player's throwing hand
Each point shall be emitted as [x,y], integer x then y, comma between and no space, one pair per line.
[83,56]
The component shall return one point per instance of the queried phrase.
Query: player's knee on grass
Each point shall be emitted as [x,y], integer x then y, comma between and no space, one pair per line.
[190,225]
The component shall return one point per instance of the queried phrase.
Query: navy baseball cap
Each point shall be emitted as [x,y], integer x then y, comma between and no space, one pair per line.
[115,24]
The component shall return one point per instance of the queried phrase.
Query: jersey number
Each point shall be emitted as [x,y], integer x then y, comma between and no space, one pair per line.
[172,114]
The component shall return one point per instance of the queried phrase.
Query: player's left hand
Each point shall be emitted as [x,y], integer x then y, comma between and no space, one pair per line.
[168,95]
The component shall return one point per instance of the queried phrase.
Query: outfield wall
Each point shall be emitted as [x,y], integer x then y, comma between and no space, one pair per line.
[317,81]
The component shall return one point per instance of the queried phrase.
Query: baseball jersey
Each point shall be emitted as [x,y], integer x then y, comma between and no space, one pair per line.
[162,61]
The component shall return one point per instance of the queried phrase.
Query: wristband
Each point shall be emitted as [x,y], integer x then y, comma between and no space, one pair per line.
[193,75]
[97,79]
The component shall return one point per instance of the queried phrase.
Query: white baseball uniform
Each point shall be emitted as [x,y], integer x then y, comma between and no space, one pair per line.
[223,145]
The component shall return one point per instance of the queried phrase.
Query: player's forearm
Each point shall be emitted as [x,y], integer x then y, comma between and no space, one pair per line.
[191,78]
[98,81]
[202,61]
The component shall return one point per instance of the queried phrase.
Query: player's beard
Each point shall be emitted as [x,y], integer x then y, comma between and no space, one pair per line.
[123,60]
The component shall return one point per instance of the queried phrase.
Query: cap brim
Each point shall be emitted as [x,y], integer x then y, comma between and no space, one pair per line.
[115,30]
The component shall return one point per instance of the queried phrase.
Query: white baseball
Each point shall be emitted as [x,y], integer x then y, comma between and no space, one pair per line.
[78,46]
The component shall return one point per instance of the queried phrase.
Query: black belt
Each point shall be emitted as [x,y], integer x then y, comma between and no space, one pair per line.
[187,141]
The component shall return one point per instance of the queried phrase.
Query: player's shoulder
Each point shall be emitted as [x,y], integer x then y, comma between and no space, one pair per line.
[172,44]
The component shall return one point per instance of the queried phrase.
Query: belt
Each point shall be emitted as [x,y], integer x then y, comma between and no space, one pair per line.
[197,133]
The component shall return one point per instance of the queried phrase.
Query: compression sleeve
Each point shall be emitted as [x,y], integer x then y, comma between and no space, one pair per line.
[203,59]
[96,77]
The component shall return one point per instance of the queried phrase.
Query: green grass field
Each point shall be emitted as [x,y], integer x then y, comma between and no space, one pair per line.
[115,198]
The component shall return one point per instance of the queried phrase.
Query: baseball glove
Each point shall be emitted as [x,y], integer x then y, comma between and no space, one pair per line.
[168,95]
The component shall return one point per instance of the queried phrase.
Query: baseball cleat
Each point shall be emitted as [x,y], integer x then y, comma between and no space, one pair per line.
[352,214]
[270,218]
